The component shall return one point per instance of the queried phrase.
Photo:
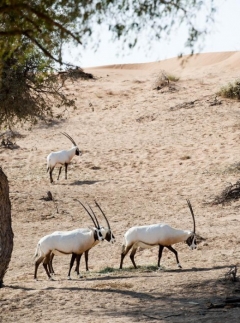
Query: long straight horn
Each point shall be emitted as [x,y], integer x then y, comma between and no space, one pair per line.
[70,138]
[190,207]
[94,215]
[103,214]
[88,214]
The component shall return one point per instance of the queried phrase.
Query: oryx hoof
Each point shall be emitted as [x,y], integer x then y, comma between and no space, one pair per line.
[179,266]
[69,278]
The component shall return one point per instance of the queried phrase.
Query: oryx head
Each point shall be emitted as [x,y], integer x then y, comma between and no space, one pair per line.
[77,152]
[191,240]
[97,229]
[108,233]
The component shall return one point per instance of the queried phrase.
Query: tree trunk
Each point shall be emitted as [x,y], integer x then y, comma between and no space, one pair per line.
[6,233]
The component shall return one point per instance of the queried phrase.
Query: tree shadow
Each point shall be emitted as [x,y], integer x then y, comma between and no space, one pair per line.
[16,287]
[186,302]
[121,276]
[180,302]
[47,122]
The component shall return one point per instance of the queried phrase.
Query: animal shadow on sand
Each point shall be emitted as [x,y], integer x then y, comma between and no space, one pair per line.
[79,183]
[194,269]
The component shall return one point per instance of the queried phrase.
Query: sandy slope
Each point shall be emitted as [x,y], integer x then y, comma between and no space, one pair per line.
[143,155]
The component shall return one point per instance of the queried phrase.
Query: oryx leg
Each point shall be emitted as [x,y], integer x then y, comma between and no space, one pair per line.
[123,254]
[176,255]
[60,169]
[50,174]
[46,264]
[78,258]
[71,264]
[86,259]
[50,265]
[160,254]
[37,263]
[66,166]
[45,260]
[132,254]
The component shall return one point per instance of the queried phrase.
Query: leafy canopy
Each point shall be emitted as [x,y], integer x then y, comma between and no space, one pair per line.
[29,89]
[50,23]
[33,32]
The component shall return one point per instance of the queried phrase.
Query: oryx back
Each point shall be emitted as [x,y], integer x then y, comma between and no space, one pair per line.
[67,242]
[155,234]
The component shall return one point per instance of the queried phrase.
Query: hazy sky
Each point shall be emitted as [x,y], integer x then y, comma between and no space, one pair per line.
[224,37]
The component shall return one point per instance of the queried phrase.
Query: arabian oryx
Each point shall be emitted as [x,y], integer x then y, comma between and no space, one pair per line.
[161,234]
[66,242]
[62,157]
[106,233]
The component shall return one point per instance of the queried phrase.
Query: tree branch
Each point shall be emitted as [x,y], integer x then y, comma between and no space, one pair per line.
[19,7]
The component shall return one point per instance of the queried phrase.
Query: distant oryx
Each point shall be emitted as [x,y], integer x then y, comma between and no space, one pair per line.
[62,157]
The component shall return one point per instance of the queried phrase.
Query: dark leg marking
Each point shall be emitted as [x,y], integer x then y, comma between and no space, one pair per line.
[176,255]
[71,264]
[160,254]
[123,254]
[86,259]
[46,264]
[132,254]
[78,258]
[50,265]
[66,166]
[60,169]
[50,174]
[37,263]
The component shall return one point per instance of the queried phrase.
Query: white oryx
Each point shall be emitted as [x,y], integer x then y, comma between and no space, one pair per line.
[163,235]
[66,242]
[106,234]
[62,157]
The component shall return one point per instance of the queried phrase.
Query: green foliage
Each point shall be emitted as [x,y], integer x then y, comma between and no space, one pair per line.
[29,89]
[45,23]
[231,91]
[108,270]
[34,29]
[49,24]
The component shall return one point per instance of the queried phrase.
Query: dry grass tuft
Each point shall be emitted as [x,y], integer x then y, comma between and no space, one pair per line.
[164,79]
[231,91]
[231,192]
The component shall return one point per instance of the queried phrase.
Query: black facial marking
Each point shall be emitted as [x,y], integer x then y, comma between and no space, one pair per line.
[96,235]
[190,240]
[108,236]
[77,152]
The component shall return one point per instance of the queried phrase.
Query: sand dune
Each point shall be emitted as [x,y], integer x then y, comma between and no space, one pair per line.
[225,59]
[227,62]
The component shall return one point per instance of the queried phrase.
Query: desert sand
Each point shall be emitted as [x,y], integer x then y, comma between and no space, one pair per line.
[144,152]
